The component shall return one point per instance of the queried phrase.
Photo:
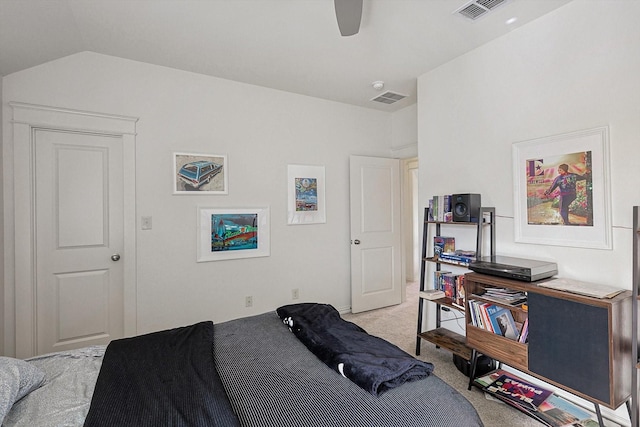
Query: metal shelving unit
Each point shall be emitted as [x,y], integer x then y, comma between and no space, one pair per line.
[440,336]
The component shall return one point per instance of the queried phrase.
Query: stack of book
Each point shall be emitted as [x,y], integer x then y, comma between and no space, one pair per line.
[442,244]
[451,284]
[459,256]
[432,294]
[493,318]
[440,208]
[505,296]
[536,401]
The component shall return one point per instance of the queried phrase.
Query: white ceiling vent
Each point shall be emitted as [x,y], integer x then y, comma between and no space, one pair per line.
[477,8]
[389,97]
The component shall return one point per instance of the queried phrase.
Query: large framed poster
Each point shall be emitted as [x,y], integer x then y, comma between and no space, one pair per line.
[561,190]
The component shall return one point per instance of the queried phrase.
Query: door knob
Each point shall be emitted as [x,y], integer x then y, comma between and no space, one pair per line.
[356,242]
[115,257]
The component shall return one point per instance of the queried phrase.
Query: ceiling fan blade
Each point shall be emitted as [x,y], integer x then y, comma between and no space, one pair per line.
[348,14]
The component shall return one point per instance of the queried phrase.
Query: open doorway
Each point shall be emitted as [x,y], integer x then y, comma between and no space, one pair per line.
[411,220]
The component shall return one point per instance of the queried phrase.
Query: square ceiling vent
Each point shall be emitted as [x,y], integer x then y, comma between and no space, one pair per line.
[389,97]
[477,8]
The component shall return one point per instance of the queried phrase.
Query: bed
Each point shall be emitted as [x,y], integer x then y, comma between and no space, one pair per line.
[261,374]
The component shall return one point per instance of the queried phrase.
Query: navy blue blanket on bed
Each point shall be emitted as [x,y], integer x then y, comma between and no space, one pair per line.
[371,362]
[165,378]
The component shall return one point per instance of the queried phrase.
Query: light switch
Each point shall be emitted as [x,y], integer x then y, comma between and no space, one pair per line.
[146,223]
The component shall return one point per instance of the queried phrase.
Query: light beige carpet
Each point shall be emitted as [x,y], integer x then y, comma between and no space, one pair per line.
[398,324]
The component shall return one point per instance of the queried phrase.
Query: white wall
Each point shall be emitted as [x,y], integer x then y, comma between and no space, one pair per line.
[261,130]
[575,68]
[405,132]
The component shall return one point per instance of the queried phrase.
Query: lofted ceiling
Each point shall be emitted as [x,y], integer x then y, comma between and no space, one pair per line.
[290,45]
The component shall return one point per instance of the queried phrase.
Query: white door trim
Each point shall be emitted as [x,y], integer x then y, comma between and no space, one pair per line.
[20,234]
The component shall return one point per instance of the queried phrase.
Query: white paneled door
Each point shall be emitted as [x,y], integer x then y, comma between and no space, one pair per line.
[79,239]
[376,233]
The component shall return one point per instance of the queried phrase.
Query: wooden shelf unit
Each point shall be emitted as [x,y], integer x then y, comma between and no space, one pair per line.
[577,343]
[440,336]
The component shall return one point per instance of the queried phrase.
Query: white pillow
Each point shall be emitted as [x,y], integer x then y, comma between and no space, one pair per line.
[17,379]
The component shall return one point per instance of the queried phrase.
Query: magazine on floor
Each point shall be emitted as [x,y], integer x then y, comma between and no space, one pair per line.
[522,393]
[553,411]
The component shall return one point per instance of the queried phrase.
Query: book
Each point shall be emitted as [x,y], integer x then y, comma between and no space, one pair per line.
[455,258]
[441,205]
[476,316]
[434,204]
[488,378]
[437,279]
[558,412]
[502,322]
[524,332]
[504,296]
[449,284]
[446,208]
[441,208]
[432,294]
[472,313]
[522,393]
[459,299]
[582,288]
[442,244]
[484,315]
[554,411]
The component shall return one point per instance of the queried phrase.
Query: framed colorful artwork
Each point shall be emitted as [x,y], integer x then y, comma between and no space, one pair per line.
[225,234]
[200,173]
[306,201]
[561,190]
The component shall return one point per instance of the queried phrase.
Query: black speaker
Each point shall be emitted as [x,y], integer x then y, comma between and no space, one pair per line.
[484,365]
[465,207]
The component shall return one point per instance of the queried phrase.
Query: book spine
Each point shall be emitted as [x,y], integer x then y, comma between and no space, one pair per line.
[435,208]
[456,258]
[460,290]
[447,217]
[449,285]
[486,321]
[524,332]
[472,313]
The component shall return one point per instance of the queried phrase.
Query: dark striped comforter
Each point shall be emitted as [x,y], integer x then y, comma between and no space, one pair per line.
[165,378]
[273,380]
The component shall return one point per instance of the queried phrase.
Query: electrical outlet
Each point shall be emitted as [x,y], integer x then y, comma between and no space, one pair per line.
[248,301]
[295,293]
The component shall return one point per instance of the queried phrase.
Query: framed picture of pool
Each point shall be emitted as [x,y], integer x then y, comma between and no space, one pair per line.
[306,201]
[561,190]
[229,233]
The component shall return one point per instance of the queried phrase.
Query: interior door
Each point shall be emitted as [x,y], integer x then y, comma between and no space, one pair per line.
[79,239]
[376,233]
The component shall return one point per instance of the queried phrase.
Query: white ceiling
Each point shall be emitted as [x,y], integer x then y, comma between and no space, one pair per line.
[291,45]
